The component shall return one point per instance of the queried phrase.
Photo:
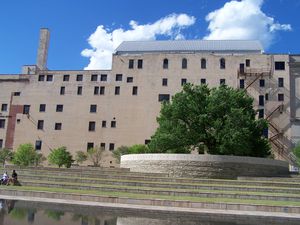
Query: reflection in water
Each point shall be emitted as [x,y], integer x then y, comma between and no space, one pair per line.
[33,213]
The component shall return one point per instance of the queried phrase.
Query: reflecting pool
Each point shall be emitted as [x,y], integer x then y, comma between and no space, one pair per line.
[23,212]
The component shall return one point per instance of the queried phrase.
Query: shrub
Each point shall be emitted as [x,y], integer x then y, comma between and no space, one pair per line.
[134,149]
[25,155]
[122,150]
[296,152]
[80,157]
[95,155]
[5,155]
[61,157]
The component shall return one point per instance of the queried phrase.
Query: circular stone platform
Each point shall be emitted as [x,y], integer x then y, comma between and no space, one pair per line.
[205,166]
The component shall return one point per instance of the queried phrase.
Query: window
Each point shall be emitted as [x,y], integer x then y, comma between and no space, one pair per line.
[38,145]
[131,64]
[113,124]
[164,82]
[203,63]
[2,123]
[59,108]
[42,107]
[262,82]
[281,97]
[96,90]
[184,63]
[279,65]
[66,77]
[40,125]
[93,108]
[17,93]
[49,77]
[79,77]
[111,146]
[261,113]
[62,90]
[280,82]
[242,83]
[103,123]
[129,79]
[147,141]
[203,81]
[163,97]
[183,81]
[79,90]
[1,143]
[92,126]
[41,78]
[26,109]
[140,64]
[102,90]
[119,77]
[94,77]
[89,145]
[222,81]
[4,107]
[117,90]
[222,63]
[102,146]
[261,100]
[165,64]
[267,97]
[103,77]
[134,90]
[57,126]
[247,62]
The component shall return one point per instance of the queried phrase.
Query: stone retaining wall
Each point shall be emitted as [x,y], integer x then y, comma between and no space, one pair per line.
[205,166]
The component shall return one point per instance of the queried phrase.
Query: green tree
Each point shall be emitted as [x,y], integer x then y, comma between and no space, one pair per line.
[122,150]
[5,155]
[134,149]
[80,157]
[219,121]
[296,152]
[25,155]
[60,157]
[95,155]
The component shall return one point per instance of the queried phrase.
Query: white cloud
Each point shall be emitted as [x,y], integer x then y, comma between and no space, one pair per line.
[103,41]
[243,20]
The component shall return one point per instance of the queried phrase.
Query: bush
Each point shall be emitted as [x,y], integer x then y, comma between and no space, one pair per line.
[122,150]
[134,149]
[5,155]
[95,155]
[25,155]
[296,152]
[60,157]
[80,157]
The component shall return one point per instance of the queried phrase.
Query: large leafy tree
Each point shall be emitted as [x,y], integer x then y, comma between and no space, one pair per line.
[61,157]
[25,155]
[217,121]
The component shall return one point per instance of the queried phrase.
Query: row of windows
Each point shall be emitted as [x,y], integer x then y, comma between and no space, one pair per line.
[98,90]
[111,146]
[92,125]
[262,83]
[139,64]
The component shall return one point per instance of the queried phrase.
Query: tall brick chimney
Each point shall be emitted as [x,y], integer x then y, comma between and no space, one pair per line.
[42,55]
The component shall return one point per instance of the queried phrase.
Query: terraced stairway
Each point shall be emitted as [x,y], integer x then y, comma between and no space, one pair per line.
[123,186]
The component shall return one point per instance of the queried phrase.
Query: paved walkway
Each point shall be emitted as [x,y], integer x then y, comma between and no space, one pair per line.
[163,209]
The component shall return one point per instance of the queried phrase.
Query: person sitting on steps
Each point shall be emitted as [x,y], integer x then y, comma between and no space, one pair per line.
[13,179]
[4,179]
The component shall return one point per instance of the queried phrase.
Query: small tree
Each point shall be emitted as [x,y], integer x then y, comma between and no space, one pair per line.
[39,159]
[122,150]
[138,149]
[25,155]
[60,157]
[5,155]
[80,157]
[296,152]
[95,155]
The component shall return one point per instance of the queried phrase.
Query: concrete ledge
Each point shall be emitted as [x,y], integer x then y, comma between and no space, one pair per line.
[208,166]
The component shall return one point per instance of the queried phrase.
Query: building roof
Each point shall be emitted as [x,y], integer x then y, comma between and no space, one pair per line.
[216,46]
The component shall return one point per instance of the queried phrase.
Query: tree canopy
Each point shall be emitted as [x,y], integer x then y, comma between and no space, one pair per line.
[218,121]
[60,156]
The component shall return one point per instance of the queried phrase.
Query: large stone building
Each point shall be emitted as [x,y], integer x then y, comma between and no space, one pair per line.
[84,108]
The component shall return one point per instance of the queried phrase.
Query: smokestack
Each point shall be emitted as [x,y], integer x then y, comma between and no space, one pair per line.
[42,55]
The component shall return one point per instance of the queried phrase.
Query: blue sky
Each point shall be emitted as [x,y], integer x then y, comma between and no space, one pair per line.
[71,22]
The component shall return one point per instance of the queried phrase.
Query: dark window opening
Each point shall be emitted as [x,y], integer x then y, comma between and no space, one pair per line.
[62,90]
[66,77]
[131,64]
[42,107]
[103,77]
[17,93]
[267,97]
[102,146]
[280,82]
[129,79]
[103,123]
[40,125]
[203,81]
[1,143]
[38,145]
[134,90]
[247,62]
[203,63]
[79,77]
[262,83]
[59,108]
[94,77]
[113,124]
[89,145]
[165,64]
[102,90]
[92,126]
[147,141]
[111,146]
[79,90]
[49,77]
[2,123]
[26,109]
[140,64]
[164,82]
[117,90]
[261,113]
[93,108]
[261,100]
[183,81]
[41,77]
[184,63]
[222,81]
[57,126]
[4,107]
[119,77]
[281,97]
[279,65]
[163,97]
[96,90]
[222,63]
[242,83]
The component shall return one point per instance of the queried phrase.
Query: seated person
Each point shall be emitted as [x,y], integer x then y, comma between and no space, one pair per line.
[13,179]
[5,178]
